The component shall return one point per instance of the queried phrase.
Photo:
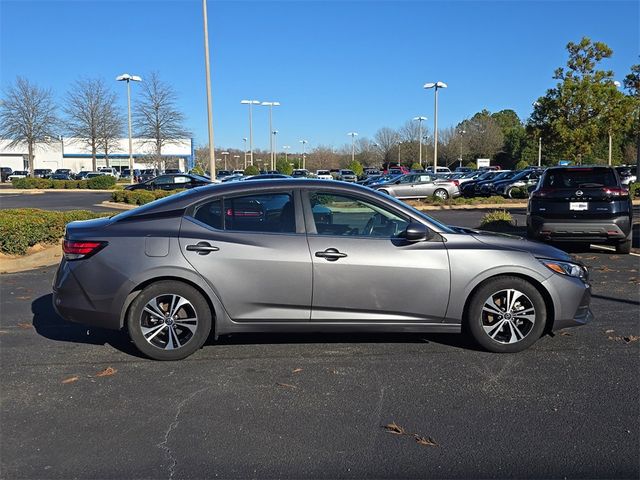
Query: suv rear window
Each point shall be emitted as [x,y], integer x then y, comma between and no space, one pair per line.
[580,178]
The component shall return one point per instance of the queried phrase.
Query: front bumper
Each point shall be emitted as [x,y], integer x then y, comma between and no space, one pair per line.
[571,301]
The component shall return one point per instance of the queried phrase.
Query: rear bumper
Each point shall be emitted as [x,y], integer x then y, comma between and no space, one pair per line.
[614,229]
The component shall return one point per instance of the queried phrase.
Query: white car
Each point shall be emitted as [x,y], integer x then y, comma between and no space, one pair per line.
[112,172]
[324,175]
[18,174]
[439,170]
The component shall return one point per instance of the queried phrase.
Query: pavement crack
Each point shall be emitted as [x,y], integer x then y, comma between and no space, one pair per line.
[164,445]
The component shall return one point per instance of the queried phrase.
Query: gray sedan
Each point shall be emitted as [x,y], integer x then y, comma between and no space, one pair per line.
[307,255]
[420,185]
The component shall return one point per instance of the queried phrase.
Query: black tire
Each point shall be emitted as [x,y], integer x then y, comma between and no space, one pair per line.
[444,195]
[194,339]
[474,314]
[624,247]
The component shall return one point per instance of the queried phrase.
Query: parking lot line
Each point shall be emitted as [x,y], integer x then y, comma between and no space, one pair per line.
[611,249]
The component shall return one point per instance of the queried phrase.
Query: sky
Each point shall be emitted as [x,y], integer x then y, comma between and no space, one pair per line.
[335,66]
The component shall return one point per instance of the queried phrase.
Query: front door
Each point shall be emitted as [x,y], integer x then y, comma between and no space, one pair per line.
[253,254]
[362,269]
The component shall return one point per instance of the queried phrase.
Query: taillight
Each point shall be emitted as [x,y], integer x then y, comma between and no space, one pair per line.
[615,192]
[455,182]
[75,250]
[541,192]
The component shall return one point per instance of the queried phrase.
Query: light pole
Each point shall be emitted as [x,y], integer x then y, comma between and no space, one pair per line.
[304,158]
[125,77]
[271,105]
[236,157]
[251,103]
[244,139]
[617,85]
[461,132]
[212,163]
[285,148]
[225,154]
[399,164]
[353,136]
[540,151]
[275,149]
[436,86]
[420,120]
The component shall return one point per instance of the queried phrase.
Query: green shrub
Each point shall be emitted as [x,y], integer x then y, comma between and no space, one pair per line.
[102,182]
[634,189]
[416,166]
[521,165]
[251,170]
[356,167]
[519,192]
[496,218]
[197,171]
[39,183]
[25,227]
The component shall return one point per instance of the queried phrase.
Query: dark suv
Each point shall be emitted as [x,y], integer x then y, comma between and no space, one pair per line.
[581,204]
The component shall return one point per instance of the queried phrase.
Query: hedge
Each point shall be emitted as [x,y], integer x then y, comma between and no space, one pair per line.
[96,183]
[22,228]
[634,190]
[140,197]
[464,201]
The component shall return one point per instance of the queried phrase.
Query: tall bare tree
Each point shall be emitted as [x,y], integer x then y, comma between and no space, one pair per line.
[28,116]
[91,115]
[387,140]
[157,117]
[110,128]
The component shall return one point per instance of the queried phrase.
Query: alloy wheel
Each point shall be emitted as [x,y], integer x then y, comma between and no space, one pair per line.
[168,321]
[508,316]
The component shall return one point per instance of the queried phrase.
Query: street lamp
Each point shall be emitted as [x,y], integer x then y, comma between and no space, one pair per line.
[125,77]
[225,154]
[399,164]
[212,163]
[461,132]
[420,120]
[435,86]
[244,139]
[275,149]
[285,148]
[251,103]
[236,157]
[304,158]
[616,84]
[353,136]
[271,105]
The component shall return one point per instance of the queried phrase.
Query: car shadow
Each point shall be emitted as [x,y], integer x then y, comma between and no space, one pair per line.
[49,324]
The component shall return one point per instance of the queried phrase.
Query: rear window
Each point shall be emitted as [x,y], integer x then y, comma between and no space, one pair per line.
[580,178]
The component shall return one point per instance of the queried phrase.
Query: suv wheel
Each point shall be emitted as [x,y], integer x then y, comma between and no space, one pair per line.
[624,247]
[169,320]
[506,315]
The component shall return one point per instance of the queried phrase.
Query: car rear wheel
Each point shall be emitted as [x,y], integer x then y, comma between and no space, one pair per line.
[506,315]
[169,320]
[441,193]
[624,247]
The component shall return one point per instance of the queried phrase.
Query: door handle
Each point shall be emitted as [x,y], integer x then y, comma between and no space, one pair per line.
[331,254]
[203,248]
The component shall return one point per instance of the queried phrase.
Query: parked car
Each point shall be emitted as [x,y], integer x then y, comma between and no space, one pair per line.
[628,175]
[347,175]
[148,174]
[170,171]
[63,171]
[61,176]
[300,172]
[126,173]
[4,173]
[81,175]
[324,175]
[42,173]
[382,179]
[171,182]
[242,257]
[18,174]
[487,187]
[463,169]
[419,185]
[90,175]
[267,176]
[468,188]
[524,180]
[220,174]
[370,172]
[110,171]
[234,177]
[439,170]
[581,204]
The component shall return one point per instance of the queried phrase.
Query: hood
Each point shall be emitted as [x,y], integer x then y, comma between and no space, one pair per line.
[514,242]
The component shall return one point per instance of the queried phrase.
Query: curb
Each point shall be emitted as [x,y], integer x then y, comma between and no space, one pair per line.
[116,205]
[34,191]
[502,206]
[45,258]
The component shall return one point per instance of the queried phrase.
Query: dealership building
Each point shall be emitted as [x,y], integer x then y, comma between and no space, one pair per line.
[75,154]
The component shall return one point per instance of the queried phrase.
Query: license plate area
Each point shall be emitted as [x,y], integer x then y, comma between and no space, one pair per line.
[578,206]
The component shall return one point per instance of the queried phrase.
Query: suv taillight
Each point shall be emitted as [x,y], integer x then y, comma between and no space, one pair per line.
[76,250]
[615,191]
[541,193]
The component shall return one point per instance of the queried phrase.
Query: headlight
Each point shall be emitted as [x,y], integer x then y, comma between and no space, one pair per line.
[566,268]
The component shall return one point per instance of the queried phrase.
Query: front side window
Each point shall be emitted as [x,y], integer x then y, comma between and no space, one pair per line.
[335,214]
[180,179]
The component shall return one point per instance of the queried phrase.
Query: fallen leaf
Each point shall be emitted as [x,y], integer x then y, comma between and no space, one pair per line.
[285,385]
[590,258]
[609,331]
[71,379]
[565,334]
[631,338]
[107,372]
[25,325]
[23,298]
[427,441]
[394,428]
[296,370]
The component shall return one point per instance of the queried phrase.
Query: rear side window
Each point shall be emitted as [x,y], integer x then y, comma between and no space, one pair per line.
[268,213]
[580,178]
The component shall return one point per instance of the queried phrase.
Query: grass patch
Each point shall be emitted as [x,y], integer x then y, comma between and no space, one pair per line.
[140,197]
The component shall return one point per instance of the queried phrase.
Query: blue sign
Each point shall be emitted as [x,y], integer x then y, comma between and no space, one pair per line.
[564,163]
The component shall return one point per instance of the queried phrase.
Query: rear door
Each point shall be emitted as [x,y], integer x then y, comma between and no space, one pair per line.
[362,269]
[252,250]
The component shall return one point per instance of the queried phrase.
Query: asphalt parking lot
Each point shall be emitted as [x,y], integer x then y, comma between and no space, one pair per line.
[80,402]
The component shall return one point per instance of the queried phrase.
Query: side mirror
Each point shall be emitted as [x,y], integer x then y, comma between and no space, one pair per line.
[417,232]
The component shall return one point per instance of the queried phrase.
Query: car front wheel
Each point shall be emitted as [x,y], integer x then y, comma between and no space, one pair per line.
[506,315]
[441,193]
[169,320]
